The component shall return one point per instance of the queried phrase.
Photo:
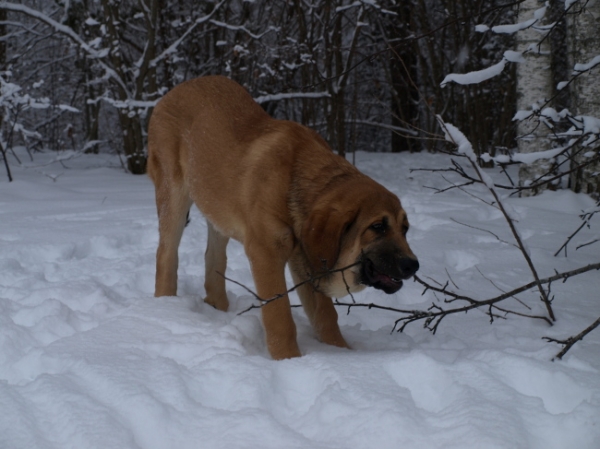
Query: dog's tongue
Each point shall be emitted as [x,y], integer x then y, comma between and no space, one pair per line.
[385,279]
[381,281]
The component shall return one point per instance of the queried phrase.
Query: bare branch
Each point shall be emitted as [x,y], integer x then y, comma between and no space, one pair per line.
[454,135]
[586,217]
[569,342]
[435,314]
[483,230]
[310,280]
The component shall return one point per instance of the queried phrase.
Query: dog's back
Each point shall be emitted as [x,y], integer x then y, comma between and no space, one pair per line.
[211,139]
[203,114]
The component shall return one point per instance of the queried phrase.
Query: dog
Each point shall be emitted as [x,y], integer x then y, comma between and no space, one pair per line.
[276,187]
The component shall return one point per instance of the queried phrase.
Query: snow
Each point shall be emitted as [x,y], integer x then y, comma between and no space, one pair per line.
[476,76]
[90,359]
[526,158]
[514,56]
[455,136]
[479,76]
[464,147]
[522,115]
[511,28]
[284,96]
[579,68]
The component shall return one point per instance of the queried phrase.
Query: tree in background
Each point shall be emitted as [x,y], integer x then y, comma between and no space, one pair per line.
[329,64]
[551,150]
[367,75]
[534,87]
[584,57]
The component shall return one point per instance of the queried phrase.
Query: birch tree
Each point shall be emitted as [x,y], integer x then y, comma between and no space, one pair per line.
[546,151]
[534,87]
[584,45]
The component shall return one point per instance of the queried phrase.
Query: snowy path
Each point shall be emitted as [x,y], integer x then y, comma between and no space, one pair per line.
[90,359]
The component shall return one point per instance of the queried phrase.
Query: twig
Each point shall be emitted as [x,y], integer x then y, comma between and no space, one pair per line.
[569,342]
[465,147]
[558,276]
[264,301]
[564,245]
[586,217]
[483,230]
[450,278]
[498,288]
[5,158]
[587,244]
[524,251]
[535,184]
[435,314]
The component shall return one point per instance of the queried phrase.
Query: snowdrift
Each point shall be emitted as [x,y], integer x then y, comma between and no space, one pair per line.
[90,359]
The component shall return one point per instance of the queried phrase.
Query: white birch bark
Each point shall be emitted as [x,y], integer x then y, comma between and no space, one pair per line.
[534,88]
[584,44]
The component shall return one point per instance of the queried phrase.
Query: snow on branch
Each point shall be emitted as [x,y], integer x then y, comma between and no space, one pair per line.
[243,28]
[580,68]
[524,158]
[478,76]
[12,103]
[455,136]
[130,103]
[173,47]
[68,32]
[512,28]
[290,95]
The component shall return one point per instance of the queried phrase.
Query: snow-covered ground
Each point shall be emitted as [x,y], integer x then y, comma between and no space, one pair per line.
[90,359]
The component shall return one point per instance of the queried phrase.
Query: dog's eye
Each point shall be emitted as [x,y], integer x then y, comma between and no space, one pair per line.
[404,229]
[378,227]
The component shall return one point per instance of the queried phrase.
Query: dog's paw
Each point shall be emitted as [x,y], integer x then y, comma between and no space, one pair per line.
[218,302]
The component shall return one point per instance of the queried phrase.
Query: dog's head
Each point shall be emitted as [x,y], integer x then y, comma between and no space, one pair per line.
[361,225]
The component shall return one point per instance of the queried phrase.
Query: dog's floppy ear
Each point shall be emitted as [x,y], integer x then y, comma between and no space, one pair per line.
[322,237]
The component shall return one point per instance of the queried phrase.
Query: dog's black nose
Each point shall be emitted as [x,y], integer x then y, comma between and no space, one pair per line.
[408,266]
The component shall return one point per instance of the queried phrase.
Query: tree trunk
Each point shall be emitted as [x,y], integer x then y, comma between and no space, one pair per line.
[534,88]
[133,143]
[584,43]
[403,74]
[132,123]
[2,67]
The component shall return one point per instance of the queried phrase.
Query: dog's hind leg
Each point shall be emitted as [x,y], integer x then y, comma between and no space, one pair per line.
[173,204]
[215,260]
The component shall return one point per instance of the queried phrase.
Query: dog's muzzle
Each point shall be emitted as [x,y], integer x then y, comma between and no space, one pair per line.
[387,272]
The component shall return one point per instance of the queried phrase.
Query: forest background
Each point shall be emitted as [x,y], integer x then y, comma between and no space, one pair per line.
[83,75]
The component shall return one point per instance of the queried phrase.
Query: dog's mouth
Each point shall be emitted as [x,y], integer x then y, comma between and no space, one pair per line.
[372,277]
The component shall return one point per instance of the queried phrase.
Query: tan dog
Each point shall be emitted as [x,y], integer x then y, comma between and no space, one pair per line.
[277,187]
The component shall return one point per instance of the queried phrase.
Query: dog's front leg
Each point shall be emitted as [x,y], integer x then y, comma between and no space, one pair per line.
[319,308]
[268,265]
